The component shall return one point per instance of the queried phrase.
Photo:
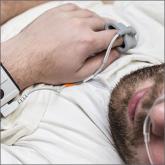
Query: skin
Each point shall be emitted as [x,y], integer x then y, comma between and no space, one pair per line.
[69,49]
[127,132]
[10,8]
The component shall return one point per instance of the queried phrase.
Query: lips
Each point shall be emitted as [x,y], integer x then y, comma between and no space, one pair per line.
[134,101]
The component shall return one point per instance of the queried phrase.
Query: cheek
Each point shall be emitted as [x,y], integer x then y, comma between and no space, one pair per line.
[142,155]
[157,151]
[146,84]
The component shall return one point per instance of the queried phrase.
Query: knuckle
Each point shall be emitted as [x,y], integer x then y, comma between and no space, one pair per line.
[88,12]
[69,6]
[77,21]
[88,39]
[86,43]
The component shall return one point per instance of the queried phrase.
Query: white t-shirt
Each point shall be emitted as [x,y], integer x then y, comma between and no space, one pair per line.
[73,127]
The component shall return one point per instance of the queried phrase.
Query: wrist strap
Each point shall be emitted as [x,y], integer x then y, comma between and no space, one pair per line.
[10,77]
[8,92]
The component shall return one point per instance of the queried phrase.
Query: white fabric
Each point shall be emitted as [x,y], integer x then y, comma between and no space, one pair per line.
[51,129]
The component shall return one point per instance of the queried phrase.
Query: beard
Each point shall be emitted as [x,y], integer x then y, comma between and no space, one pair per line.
[126,136]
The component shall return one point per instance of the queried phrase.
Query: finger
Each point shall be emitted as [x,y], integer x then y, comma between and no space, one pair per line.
[103,39]
[83,13]
[96,23]
[93,63]
[118,42]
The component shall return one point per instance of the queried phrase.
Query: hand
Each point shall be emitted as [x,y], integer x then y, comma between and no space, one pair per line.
[58,47]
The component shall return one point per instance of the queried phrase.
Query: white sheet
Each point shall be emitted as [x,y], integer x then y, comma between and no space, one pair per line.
[51,129]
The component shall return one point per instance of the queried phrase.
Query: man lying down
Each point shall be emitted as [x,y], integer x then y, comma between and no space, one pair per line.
[77,126]
[136,95]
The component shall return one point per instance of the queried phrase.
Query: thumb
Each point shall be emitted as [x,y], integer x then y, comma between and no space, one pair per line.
[93,63]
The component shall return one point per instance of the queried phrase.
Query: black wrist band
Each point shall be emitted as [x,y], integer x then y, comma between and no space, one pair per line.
[10,77]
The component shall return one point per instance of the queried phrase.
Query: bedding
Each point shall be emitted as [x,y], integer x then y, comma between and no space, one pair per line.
[49,128]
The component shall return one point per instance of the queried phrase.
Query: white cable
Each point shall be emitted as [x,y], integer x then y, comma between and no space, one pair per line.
[22,98]
[57,90]
[147,127]
[105,60]
[16,103]
[146,134]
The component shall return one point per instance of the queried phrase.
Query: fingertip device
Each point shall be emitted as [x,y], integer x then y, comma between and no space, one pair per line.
[127,32]
[129,41]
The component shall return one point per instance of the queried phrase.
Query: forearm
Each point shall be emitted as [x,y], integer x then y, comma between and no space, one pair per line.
[42,58]
[10,9]
[15,58]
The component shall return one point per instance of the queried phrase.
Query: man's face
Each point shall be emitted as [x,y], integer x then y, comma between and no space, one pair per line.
[131,100]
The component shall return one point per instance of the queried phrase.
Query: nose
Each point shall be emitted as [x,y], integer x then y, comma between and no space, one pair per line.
[157,119]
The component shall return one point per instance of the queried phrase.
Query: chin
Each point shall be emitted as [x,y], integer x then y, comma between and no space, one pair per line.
[141,157]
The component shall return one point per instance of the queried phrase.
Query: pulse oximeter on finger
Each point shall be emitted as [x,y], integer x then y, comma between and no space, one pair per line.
[127,32]
[129,41]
